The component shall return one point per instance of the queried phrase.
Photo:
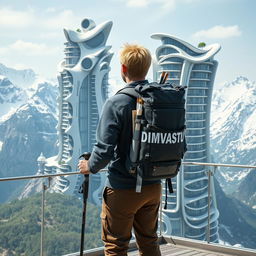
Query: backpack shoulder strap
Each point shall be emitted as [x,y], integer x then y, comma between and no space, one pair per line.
[130,91]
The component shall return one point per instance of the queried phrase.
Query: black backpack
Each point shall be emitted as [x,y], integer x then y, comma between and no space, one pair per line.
[158,143]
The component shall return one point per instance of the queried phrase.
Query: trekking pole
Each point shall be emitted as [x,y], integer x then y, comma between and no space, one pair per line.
[84,190]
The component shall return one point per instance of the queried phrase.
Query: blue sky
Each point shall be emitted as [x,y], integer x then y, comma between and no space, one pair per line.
[32,36]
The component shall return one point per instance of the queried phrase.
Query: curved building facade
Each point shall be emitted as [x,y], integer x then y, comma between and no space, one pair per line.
[83,85]
[187,211]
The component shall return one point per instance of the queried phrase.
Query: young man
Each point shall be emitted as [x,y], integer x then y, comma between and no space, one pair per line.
[123,208]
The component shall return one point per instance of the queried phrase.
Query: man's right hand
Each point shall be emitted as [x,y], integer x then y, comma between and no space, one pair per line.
[83,167]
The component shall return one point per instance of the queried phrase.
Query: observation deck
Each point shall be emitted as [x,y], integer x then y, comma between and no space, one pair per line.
[173,246]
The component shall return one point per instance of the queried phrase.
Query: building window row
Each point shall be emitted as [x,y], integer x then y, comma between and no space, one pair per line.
[197,92]
[195,116]
[174,59]
[191,155]
[200,75]
[193,100]
[166,51]
[171,67]
[195,132]
[181,46]
[198,184]
[200,203]
[72,53]
[196,147]
[195,124]
[194,175]
[198,83]
[195,140]
[195,213]
[196,108]
[201,67]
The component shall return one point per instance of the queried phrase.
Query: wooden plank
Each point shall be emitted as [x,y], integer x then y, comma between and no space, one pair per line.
[192,253]
[174,250]
[170,249]
[215,249]
[181,251]
[203,254]
[167,250]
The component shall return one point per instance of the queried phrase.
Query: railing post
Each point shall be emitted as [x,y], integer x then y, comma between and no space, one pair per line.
[42,219]
[209,173]
[44,188]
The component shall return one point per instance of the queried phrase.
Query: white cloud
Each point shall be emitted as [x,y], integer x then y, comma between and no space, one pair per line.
[64,19]
[50,35]
[191,1]
[11,18]
[163,4]
[3,51]
[20,66]
[168,4]
[51,9]
[137,3]
[28,49]
[49,19]
[219,32]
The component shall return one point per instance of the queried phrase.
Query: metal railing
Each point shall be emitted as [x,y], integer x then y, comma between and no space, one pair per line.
[210,173]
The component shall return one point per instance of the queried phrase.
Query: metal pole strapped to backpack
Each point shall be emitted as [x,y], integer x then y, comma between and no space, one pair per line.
[134,151]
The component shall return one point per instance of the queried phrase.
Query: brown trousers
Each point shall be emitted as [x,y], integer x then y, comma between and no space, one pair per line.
[124,209]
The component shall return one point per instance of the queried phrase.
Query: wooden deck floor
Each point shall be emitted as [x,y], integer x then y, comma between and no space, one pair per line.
[177,246]
[174,250]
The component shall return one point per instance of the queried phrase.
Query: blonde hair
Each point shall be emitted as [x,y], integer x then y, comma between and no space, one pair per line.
[136,58]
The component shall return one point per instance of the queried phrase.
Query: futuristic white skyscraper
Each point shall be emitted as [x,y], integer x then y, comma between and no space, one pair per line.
[193,67]
[83,83]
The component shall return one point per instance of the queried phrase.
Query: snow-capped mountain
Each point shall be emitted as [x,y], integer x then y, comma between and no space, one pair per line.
[16,87]
[236,221]
[247,191]
[23,78]
[233,130]
[24,134]
[9,93]
[11,96]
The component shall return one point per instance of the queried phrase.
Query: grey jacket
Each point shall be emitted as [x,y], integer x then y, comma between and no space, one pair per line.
[113,139]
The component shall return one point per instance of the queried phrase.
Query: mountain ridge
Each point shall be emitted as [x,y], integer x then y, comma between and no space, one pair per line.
[24,134]
[233,136]
[21,78]
[236,220]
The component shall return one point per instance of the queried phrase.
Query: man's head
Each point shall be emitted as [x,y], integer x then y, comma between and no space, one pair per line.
[135,61]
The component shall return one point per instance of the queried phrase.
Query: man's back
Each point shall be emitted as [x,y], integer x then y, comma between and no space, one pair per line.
[114,136]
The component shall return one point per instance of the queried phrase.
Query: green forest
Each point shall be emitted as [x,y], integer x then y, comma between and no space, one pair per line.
[20,226]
